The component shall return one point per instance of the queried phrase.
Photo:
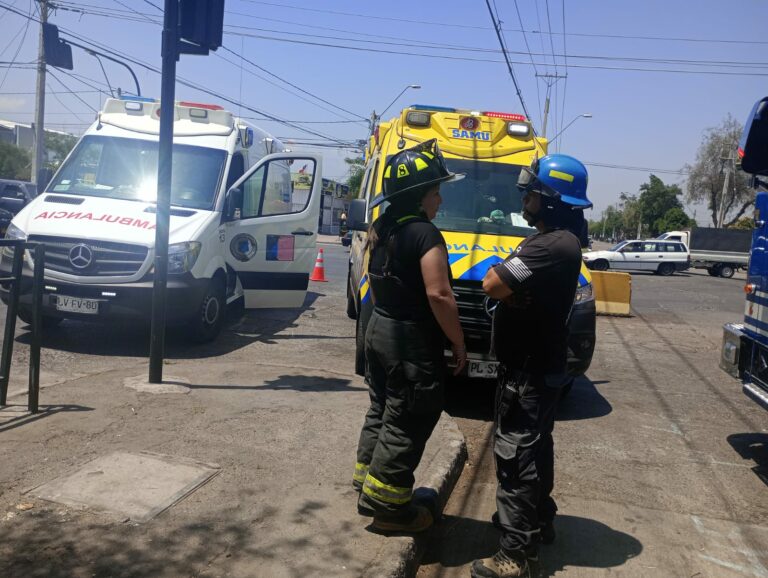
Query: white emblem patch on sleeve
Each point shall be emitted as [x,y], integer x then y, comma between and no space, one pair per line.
[519,270]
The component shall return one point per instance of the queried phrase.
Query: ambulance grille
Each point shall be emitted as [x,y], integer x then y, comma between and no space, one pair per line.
[108,259]
[476,323]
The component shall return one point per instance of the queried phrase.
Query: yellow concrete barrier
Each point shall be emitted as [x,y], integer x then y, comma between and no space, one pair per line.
[613,292]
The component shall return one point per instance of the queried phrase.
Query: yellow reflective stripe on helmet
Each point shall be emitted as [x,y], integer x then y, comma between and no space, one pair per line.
[361,470]
[387,172]
[561,175]
[420,164]
[428,154]
[406,218]
[386,493]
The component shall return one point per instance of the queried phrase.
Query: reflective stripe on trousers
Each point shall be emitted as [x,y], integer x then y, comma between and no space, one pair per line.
[386,493]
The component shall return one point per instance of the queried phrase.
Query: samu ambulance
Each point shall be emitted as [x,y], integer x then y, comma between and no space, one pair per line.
[240,226]
[480,218]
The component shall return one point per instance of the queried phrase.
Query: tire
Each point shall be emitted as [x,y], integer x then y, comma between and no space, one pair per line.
[207,323]
[712,271]
[351,307]
[666,269]
[47,322]
[726,270]
[359,347]
[600,265]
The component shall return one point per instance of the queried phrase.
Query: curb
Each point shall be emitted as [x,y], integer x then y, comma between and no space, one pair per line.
[400,556]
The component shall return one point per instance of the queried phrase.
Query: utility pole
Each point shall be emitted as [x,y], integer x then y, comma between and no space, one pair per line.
[726,178]
[551,80]
[39,154]
[602,235]
[640,226]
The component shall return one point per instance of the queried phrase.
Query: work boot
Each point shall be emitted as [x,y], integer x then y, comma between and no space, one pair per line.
[503,565]
[546,529]
[413,520]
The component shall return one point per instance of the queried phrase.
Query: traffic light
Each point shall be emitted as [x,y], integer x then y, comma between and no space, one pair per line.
[202,24]
[57,52]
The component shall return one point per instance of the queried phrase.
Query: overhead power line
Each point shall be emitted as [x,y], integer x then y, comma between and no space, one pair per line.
[180,80]
[506,58]
[642,169]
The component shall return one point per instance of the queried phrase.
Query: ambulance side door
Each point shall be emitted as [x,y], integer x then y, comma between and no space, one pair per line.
[271,219]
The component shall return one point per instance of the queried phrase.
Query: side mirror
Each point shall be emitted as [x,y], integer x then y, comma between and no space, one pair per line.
[357,216]
[233,204]
[753,146]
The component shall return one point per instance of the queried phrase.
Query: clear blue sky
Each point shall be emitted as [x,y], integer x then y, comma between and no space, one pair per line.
[640,119]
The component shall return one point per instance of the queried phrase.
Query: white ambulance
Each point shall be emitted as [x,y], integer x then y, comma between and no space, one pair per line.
[242,225]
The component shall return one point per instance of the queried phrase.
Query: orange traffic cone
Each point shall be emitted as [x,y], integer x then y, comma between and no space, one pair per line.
[318,273]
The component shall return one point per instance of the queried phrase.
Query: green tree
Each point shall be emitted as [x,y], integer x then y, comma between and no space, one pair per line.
[58,146]
[14,162]
[674,219]
[715,158]
[355,178]
[656,200]
[744,223]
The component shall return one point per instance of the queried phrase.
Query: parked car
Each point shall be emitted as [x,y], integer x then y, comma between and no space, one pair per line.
[14,196]
[662,257]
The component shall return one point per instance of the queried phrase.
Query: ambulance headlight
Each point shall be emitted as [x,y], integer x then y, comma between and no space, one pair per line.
[13,232]
[182,256]
[584,294]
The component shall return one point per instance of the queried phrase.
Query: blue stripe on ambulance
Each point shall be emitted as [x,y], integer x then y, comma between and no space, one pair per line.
[582,280]
[478,271]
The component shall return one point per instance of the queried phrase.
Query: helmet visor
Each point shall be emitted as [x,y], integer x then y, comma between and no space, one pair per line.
[528,181]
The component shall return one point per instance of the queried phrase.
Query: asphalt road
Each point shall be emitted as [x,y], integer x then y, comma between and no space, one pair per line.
[662,462]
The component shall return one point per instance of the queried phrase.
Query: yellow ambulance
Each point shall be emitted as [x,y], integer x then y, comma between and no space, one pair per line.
[480,218]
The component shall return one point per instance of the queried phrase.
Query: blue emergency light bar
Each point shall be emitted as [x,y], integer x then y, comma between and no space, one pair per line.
[433,108]
[137,98]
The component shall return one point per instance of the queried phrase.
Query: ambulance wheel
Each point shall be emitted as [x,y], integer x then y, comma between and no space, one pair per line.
[206,325]
[666,269]
[359,347]
[47,321]
[599,265]
[727,271]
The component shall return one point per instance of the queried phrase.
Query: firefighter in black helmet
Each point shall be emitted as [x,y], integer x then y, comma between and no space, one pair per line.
[414,312]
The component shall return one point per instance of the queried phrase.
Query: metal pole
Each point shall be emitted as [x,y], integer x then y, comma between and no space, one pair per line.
[170,54]
[38,158]
[10,320]
[37,319]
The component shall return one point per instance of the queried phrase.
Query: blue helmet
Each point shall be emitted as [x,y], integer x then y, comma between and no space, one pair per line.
[560,176]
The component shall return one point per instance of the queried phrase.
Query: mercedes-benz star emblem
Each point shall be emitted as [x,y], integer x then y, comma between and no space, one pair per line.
[81,256]
[490,306]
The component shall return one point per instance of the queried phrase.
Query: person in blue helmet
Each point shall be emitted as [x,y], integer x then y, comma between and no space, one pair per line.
[535,286]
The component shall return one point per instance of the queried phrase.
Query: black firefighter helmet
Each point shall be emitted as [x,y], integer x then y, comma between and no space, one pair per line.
[413,169]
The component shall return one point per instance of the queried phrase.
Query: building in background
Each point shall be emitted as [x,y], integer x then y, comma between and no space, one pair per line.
[333,202]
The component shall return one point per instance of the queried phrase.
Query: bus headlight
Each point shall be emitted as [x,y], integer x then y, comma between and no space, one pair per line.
[584,294]
[182,256]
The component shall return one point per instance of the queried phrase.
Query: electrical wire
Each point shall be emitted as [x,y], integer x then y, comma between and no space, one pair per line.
[62,103]
[21,44]
[180,80]
[509,64]
[530,54]
[631,168]
[61,82]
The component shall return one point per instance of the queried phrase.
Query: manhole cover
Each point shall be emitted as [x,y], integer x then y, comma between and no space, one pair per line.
[134,485]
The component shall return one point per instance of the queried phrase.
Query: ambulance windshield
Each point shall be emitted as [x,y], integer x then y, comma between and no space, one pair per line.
[126,169]
[485,201]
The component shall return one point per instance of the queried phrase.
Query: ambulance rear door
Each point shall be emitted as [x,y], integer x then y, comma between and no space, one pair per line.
[271,218]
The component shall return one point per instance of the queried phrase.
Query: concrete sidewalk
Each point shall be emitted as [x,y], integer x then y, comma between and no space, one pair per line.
[275,442]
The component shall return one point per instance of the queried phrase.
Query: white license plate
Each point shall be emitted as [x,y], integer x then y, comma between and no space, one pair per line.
[487,369]
[77,305]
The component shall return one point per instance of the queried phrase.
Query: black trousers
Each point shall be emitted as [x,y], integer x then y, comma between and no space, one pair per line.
[405,374]
[525,457]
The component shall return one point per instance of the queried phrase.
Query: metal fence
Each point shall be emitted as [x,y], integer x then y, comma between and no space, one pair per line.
[14,284]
